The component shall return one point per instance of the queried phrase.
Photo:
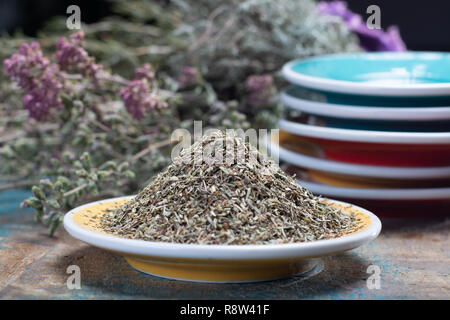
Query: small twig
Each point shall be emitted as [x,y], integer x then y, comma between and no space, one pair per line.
[151,148]
[75,190]
[152,50]
[18,184]
[107,129]
[10,137]
[209,28]
[19,134]
[114,78]
[127,26]
[101,125]
[102,76]
[134,158]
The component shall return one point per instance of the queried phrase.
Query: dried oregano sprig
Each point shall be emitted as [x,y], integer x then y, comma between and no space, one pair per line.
[86,133]
[226,202]
[52,198]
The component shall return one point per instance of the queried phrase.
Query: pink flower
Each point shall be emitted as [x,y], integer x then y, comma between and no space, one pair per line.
[189,77]
[138,96]
[36,75]
[71,56]
[260,89]
[146,71]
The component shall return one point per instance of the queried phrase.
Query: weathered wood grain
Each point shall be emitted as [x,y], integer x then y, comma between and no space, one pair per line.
[413,255]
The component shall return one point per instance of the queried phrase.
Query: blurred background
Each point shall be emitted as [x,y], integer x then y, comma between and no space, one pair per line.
[165,64]
[422,23]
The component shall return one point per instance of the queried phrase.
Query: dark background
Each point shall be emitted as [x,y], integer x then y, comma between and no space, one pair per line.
[424,25]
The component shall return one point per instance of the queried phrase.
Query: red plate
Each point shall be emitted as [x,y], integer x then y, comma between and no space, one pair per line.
[403,208]
[401,155]
[405,149]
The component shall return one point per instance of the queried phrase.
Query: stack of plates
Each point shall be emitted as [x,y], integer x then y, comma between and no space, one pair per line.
[372,129]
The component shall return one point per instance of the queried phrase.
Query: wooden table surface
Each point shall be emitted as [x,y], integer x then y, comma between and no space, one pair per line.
[413,256]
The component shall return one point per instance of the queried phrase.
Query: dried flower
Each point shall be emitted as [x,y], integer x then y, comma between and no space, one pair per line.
[260,89]
[189,77]
[146,71]
[370,40]
[71,56]
[38,76]
[139,96]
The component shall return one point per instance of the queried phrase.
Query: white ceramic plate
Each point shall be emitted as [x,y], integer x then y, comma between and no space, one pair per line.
[380,73]
[364,135]
[213,263]
[321,108]
[199,251]
[377,194]
[314,163]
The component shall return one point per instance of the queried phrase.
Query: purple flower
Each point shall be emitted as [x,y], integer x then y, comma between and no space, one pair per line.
[189,77]
[146,71]
[36,75]
[138,96]
[71,56]
[260,89]
[370,40]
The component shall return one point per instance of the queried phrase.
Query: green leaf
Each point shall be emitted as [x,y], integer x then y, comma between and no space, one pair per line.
[109,165]
[38,193]
[38,215]
[124,166]
[82,173]
[54,203]
[7,151]
[103,174]
[34,203]
[48,219]
[45,183]
[129,174]
[64,181]
[86,161]
[54,224]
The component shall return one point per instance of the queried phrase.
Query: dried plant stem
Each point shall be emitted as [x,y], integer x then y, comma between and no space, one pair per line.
[18,184]
[12,136]
[152,50]
[19,134]
[151,148]
[134,158]
[75,190]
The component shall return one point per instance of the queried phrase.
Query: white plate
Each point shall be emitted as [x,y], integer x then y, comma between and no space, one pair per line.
[404,173]
[364,135]
[364,112]
[377,194]
[222,252]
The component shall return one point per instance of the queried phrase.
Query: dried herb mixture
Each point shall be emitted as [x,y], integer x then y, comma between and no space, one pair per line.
[226,202]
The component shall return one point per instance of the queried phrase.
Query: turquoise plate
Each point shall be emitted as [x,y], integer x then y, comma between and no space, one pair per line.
[378,74]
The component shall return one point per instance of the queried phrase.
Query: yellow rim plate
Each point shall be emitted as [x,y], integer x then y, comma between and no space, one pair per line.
[214,263]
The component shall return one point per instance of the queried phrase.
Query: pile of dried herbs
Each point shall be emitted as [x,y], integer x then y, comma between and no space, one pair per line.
[245,199]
